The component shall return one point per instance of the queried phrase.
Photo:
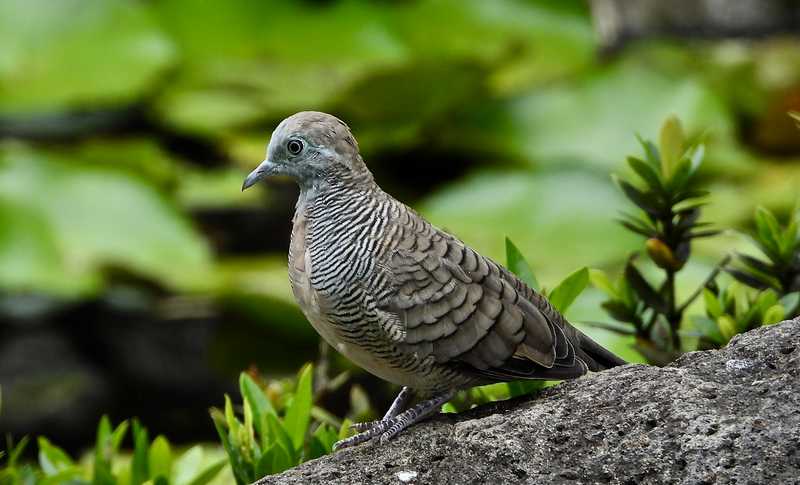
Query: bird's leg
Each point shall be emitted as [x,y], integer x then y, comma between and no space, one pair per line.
[397,405]
[391,426]
[416,414]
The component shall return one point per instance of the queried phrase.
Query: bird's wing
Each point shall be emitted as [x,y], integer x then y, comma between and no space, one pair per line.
[464,309]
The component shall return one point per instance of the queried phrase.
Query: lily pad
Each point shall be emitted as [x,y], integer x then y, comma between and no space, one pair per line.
[592,120]
[97,218]
[551,217]
[67,55]
[253,62]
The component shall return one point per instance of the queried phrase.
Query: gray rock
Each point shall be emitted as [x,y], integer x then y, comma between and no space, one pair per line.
[726,416]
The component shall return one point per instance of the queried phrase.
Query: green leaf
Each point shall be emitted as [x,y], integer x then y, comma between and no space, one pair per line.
[727,327]
[345,430]
[281,459]
[298,415]
[643,289]
[600,280]
[120,48]
[187,465]
[160,455]
[322,441]
[790,301]
[565,293]
[140,465]
[681,174]
[259,404]
[280,435]
[522,388]
[670,145]
[646,172]
[769,232]
[643,200]
[242,470]
[209,473]
[696,158]
[105,446]
[53,459]
[651,152]
[15,451]
[519,266]
[713,306]
[774,314]
[157,235]
[708,328]
[449,408]
[233,423]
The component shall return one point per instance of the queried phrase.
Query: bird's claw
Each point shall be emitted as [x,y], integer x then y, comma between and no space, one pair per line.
[367,431]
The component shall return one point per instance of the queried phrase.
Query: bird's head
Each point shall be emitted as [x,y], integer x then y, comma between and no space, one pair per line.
[311,147]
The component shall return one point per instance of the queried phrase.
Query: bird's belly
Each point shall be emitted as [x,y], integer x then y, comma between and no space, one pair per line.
[309,302]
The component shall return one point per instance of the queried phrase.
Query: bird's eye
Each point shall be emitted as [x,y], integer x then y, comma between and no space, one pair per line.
[294,146]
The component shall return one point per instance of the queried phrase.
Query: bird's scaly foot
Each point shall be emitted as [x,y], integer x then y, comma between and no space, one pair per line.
[394,422]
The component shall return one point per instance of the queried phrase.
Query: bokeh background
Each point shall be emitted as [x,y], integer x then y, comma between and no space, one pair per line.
[136,279]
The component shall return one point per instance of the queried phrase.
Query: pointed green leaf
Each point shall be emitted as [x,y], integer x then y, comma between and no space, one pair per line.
[670,144]
[104,450]
[727,327]
[768,232]
[643,200]
[774,314]
[281,459]
[713,306]
[643,289]
[298,415]
[53,459]
[600,280]
[209,473]
[519,266]
[565,293]
[140,465]
[160,454]
[258,402]
[234,426]
[696,158]
[708,328]
[646,172]
[651,152]
[280,435]
[345,430]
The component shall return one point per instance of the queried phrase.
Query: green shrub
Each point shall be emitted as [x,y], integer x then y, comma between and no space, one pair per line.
[152,463]
[669,204]
[267,441]
[779,270]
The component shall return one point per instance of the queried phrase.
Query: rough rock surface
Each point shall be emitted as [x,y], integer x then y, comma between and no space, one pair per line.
[727,416]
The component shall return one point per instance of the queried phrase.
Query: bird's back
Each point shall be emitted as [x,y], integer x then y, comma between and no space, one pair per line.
[416,306]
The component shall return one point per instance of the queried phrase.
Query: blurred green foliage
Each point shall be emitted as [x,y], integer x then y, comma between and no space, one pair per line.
[271,440]
[153,463]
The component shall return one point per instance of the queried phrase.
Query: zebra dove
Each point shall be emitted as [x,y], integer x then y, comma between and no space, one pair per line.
[401,298]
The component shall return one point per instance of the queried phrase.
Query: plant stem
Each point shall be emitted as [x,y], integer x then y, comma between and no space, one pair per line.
[675,316]
[711,276]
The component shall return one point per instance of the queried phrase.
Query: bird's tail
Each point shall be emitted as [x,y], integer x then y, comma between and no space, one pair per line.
[598,358]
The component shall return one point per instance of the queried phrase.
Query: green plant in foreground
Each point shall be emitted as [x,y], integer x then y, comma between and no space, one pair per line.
[561,297]
[670,205]
[265,442]
[780,271]
[737,309]
[152,463]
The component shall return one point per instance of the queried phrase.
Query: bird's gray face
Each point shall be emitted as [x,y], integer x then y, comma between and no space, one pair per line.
[305,147]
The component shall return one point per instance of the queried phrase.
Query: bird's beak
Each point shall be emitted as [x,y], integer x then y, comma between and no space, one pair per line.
[266,169]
